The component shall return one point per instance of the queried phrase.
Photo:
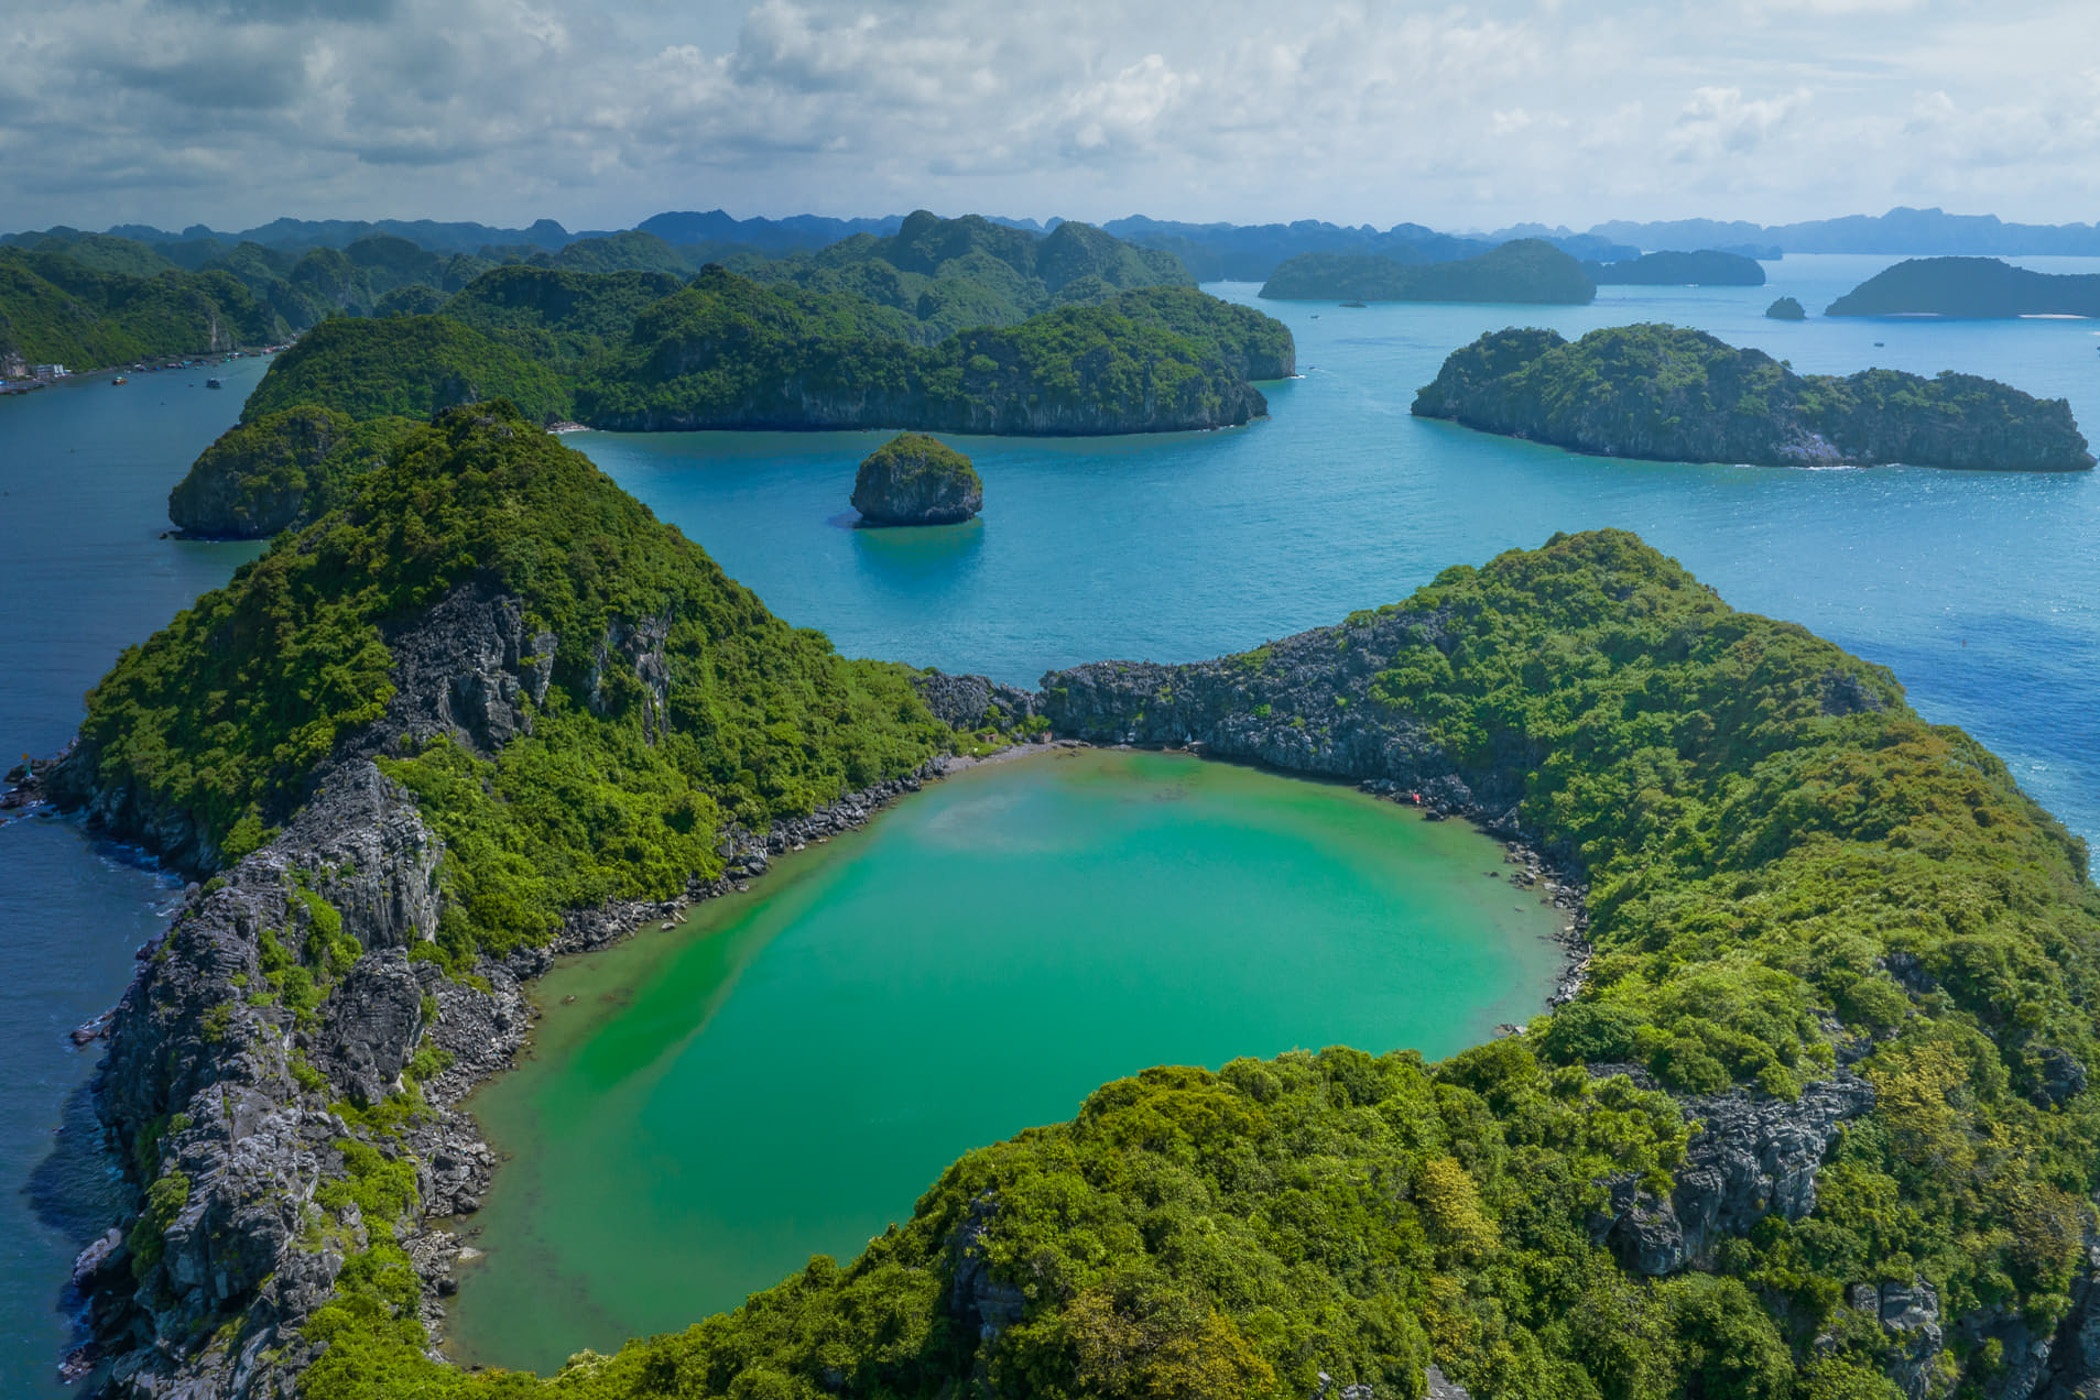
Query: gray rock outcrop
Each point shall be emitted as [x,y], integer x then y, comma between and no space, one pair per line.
[971,703]
[1753,1156]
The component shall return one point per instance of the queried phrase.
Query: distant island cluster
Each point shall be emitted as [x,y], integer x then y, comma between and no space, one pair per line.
[476,706]
[929,325]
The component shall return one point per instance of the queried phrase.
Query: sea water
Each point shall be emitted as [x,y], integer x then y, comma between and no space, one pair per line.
[1979,590]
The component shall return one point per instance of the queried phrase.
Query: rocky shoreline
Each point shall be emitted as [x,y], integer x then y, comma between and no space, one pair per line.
[221,1087]
[258,1112]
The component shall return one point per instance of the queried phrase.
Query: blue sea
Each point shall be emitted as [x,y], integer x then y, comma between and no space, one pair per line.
[1981,592]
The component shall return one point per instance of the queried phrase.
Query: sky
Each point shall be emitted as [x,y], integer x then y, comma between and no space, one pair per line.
[1461,116]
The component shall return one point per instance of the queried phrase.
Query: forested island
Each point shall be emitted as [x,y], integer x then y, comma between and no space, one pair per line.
[1137,348]
[1072,333]
[914,479]
[1708,267]
[1969,288]
[1526,270]
[1669,394]
[1803,1132]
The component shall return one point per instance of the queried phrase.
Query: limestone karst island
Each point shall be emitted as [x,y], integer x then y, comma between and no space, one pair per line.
[1004,703]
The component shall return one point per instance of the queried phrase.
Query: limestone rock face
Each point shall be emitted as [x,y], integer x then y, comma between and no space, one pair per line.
[971,703]
[1754,1156]
[914,479]
[374,1019]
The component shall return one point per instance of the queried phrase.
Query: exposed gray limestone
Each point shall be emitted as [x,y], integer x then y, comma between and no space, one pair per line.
[373,1020]
[972,703]
[465,669]
[1753,1156]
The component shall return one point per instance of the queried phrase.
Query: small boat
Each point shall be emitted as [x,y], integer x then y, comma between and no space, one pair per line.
[213,384]
[119,381]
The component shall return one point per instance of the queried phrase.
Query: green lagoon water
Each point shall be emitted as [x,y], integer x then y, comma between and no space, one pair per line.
[784,1074]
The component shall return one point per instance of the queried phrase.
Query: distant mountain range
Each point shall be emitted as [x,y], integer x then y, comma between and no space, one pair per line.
[1211,251]
[1917,232]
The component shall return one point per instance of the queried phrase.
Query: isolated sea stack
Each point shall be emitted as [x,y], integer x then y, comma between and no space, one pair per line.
[1786,309]
[914,479]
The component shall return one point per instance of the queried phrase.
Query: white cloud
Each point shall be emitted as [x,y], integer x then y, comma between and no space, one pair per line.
[1719,123]
[1451,112]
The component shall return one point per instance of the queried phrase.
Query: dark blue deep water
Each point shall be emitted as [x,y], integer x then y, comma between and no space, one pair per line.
[1978,590]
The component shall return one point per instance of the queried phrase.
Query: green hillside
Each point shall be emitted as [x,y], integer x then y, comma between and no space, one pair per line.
[403,366]
[1789,872]
[216,721]
[950,275]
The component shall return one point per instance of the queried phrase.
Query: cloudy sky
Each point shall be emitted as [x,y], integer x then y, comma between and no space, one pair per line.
[600,112]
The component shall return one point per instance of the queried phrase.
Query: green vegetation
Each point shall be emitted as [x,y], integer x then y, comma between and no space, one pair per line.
[640,347]
[210,730]
[950,275]
[727,352]
[568,319]
[1526,270]
[1970,288]
[1786,865]
[1786,309]
[1259,347]
[1670,394]
[279,470]
[55,310]
[403,366]
[90,300]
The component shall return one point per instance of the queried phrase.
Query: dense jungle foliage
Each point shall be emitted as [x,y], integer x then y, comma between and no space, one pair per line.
[1673,394]
[648,348]
[89,300]
[616,792]
[727,352]
[1524,270]
[92,300]
[403,366]
[1788,869]
[641,351]
[55,310]
[949,275]
[279,470]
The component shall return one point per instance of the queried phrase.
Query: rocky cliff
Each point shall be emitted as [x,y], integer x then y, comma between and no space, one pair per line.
[1673,395]
[283,1075]
[1374,701]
